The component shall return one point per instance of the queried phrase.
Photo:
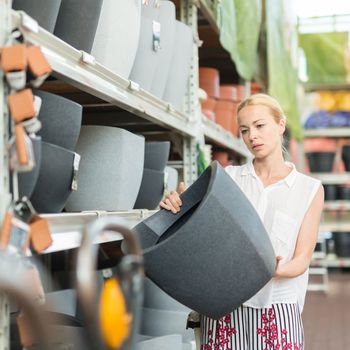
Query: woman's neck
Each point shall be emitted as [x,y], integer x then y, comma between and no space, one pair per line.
[271,168]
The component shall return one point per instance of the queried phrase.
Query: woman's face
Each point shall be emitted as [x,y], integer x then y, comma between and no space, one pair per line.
[259,130]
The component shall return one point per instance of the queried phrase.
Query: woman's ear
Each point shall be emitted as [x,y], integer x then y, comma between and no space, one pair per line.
[282,125]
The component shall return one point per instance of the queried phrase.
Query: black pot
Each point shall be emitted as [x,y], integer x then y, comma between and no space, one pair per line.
[44,11]
[342,244]
[151,190]
[54,184]
[77,22]
[330,192]
[60,119]
[216,243]
[343,193]
[27,180]
[321,162]
[156,155]
[345,155]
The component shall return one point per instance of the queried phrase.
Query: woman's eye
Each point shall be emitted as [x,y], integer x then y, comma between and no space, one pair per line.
[260,126]
[244,132]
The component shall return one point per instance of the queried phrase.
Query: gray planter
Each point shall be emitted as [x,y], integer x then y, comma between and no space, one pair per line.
[158,323]
[62,301]
[44,11]
[165,14]
[155,298]
[77,22]
[167,342]
[111,169]
[177,80]
[61,120]
[27,180]
[151,190]
[54,184]
[172,179]
[216,243]
[156,155]
[112,47]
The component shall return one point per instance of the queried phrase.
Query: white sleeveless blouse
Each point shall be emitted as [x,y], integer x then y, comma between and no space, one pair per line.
[281,207]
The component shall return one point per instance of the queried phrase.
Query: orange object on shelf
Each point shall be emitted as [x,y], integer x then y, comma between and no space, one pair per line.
[209,80]
[21,105]
[320,144]
[14,58]
[229,92]
[222,157]
[255,88]
[208,104]
[224,118]
[209,114]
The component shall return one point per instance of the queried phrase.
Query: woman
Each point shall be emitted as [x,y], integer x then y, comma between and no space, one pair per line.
[290,205]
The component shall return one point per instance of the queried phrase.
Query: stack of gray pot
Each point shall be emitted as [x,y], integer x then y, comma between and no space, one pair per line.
[152,186]
[163,57]
[164,320]
[111,169]
[49,185]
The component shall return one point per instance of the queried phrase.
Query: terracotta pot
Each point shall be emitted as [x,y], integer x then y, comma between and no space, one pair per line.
[222,158]
[229,92]
[320,145]
[224,118]
[209,114]
[44,11]
[225,105]
[77,22]
[209,80]
[178,249]
[208,104]
[255,88]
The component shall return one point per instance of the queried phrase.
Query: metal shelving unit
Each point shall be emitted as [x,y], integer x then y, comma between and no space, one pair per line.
[327,132]
[333,178]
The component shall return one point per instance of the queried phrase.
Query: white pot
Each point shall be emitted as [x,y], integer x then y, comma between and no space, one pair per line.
[117,35]
[111,169]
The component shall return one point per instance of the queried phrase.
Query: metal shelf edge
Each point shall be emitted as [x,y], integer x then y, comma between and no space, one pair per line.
[327,132]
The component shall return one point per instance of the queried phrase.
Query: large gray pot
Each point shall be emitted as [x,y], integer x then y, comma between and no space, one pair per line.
[44,11]
[156,155]
[167,342]
[54,183]
[155,298]
[112,47]
[177,79]
[165,14]
[77,22]
[164,322]
[27,180]
[60,119]
[151,190]
[62,301]
[216,245]
[171,176]
[111,169]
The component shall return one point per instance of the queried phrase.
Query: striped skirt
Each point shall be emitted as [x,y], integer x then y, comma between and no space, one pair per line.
[276,328]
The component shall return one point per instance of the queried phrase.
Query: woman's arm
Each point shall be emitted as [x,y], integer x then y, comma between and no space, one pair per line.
[306,241]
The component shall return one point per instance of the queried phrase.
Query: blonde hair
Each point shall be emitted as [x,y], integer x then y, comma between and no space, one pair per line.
[264,100]
[272,104]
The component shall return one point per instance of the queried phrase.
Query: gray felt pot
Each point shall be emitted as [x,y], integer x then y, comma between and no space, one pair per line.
[167,342]
[156,155]
[165,14]
[151,190]
[177,79]
[112,47]
[156,298]
[172,179]
[60,119]
[216,243]
[111,169]
[77,22]
[27,180]
[54,183]
[164,322]
[44,11]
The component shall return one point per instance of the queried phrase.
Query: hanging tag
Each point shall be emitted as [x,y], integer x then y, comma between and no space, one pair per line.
[87,58]
[19,235]
[21,105]
[74,185]
[156,27]
[40,234]
[16,80]
[24,329]
[37,62]
[37,105]
[21,147]
[6,230]
[14,58]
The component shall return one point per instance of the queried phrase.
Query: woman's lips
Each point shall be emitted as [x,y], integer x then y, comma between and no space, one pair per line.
[255,147]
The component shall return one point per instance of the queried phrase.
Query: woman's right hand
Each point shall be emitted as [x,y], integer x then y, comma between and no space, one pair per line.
[172,200]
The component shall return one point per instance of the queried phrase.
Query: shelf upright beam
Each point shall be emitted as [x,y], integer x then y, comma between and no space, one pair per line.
[189,15]
[5,30]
